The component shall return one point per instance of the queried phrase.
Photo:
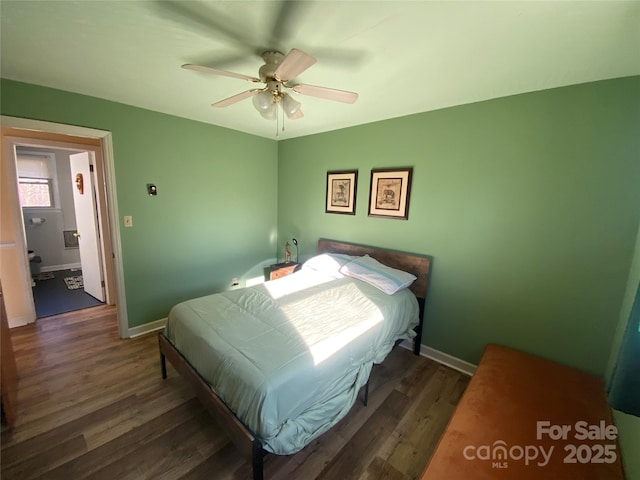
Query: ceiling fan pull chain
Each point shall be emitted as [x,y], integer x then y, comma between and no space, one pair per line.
[282,116]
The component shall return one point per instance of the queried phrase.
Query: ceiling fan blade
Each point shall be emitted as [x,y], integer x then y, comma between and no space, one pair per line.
[293,64]
[236,98]
[326,93]
[287,22]
[208,19]
[221,61]
[340,57]
[215,71]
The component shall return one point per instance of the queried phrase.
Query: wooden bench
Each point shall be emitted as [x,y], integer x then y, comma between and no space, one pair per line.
[524,418]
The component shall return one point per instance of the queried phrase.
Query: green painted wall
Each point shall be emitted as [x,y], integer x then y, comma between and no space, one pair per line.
[215,213]
[529,205]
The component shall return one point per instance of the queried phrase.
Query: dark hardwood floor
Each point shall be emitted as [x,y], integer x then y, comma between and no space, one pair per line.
[91,405]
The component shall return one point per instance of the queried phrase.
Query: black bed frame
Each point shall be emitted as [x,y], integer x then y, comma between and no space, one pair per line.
[245,441]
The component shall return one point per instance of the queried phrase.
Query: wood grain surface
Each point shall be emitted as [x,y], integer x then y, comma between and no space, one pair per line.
[91,405]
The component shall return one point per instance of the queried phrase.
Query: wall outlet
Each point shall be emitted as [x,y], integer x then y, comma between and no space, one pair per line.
[128,221]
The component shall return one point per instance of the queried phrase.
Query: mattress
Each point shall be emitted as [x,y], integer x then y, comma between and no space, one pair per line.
[290,355]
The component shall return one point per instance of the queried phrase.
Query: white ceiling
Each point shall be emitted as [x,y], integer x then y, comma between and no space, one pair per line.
[401,57]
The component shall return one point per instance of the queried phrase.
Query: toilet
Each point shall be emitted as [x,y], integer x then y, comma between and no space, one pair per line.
[34,262]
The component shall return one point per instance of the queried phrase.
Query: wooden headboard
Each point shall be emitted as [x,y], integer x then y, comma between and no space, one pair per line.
[418,265]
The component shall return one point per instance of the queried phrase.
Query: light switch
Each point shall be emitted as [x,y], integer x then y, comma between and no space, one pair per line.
[128,221]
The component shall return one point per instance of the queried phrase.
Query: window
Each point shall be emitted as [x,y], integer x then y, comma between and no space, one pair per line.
[35,192]
[36,174]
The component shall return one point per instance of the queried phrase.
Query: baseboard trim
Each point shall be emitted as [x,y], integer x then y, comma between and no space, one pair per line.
[67,266]
[443,358]
[147,328]
[18,322]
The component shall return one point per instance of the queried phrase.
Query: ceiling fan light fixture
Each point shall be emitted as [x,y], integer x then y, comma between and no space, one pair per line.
[269,113]
[290,105]
[263,101]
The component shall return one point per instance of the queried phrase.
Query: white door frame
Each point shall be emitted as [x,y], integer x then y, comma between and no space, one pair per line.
[112,200]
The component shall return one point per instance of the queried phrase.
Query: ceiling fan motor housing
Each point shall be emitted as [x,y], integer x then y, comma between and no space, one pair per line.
[274,86]
[272,60]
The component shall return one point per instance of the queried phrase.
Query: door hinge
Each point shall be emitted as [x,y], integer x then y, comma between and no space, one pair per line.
[90,167]
[102,283]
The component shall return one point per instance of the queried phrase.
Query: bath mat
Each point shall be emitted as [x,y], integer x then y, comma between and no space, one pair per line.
[73,283]
[44,276]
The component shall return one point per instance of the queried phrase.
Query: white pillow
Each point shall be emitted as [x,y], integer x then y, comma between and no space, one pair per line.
[328,263]
[387,279]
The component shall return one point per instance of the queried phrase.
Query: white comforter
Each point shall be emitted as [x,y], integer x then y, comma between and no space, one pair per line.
[289,356]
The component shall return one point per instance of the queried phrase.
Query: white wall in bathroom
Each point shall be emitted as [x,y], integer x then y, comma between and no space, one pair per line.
[46,239]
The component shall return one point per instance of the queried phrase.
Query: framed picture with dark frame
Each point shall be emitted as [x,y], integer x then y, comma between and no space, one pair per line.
[341,192]
[389,192]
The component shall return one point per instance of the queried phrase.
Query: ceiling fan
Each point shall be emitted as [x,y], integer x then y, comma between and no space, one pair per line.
[276,73]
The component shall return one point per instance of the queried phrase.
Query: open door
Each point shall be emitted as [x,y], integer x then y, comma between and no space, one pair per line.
[8,372]
[87,224]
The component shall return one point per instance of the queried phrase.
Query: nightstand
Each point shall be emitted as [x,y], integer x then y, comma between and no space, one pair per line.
[279,270]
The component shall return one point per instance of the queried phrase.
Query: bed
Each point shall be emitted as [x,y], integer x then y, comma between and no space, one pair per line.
[280,363]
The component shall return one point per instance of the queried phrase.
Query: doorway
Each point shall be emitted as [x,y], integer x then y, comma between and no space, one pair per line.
[15,264]
[65,265]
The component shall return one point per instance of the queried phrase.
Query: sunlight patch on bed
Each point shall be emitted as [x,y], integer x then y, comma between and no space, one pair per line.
[326,334]
[294,283]
[329,346]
